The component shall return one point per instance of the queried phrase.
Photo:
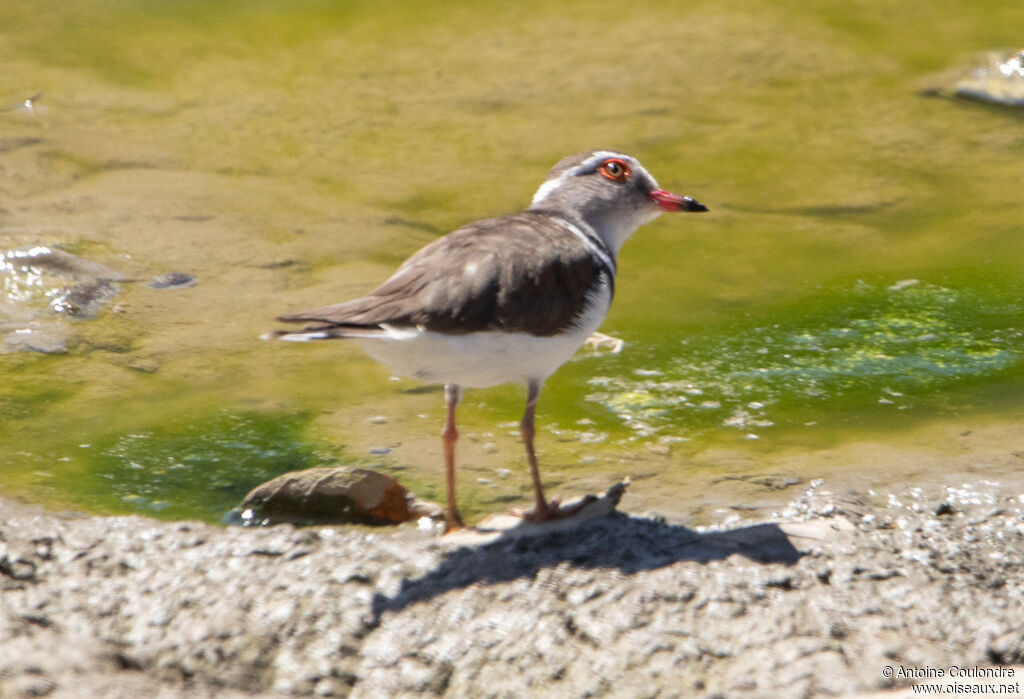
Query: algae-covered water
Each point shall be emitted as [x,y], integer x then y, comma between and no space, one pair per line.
[851,308]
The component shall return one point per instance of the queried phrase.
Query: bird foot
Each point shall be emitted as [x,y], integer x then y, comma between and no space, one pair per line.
[453,523]
[553,510]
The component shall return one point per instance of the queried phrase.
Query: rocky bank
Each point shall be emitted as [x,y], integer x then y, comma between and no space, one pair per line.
[816,601]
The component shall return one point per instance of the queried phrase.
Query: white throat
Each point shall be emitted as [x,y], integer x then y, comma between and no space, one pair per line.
[615,231]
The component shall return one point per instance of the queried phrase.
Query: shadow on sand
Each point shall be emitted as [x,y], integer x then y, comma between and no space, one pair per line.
[616,541]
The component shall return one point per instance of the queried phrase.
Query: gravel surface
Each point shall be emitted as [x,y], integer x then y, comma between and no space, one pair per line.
[816,601]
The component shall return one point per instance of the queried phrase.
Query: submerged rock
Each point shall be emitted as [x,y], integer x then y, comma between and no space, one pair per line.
[48,338]
[46,261]
[39,281]
[173,280]
[84,299]
[331,495]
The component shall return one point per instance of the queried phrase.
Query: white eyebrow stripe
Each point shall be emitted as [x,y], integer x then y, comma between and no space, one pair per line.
[552,185]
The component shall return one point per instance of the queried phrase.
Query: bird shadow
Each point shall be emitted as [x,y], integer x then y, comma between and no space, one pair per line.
[616,541]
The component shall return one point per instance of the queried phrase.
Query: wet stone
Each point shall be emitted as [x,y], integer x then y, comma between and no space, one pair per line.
[48,338]
[331,495]
[41,260]
[146,365]
[173,280]
[84,299]
[41,283]
[998,78]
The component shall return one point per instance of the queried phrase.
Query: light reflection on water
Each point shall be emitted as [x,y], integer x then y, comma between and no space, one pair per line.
[22,280]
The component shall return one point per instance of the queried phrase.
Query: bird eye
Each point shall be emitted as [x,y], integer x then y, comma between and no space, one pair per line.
[615,169]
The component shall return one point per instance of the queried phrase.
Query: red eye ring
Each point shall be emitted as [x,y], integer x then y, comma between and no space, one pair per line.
[615,169]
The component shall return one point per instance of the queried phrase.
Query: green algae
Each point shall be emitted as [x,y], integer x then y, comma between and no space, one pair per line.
[32,385]
[196,466]
[864,353]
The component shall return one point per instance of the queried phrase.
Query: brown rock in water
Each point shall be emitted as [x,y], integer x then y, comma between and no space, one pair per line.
[333,495]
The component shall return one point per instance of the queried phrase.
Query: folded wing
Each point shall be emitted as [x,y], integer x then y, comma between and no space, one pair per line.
[488,275]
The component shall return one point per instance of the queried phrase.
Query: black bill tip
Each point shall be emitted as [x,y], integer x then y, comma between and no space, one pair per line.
[692,205]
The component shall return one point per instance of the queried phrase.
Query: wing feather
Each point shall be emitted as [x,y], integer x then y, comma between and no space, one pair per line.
[484,276]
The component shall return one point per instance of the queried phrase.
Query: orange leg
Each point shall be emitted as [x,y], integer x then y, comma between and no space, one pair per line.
[450,435]
[543,510]
[526,429]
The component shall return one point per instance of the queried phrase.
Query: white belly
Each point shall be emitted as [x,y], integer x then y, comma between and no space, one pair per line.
[479,360]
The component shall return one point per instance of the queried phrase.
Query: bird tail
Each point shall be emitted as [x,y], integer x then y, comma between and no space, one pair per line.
[329,332]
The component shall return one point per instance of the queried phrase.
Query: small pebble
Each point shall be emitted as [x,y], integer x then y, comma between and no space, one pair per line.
[146,365]
[173,280]
[426,524]
[329,687]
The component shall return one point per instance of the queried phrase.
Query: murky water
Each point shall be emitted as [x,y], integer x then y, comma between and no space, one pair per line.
[848,309]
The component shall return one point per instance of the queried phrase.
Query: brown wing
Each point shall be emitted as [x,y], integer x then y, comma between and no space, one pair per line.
[485,276]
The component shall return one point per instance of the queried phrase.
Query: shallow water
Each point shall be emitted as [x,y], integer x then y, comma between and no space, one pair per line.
[851,303]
